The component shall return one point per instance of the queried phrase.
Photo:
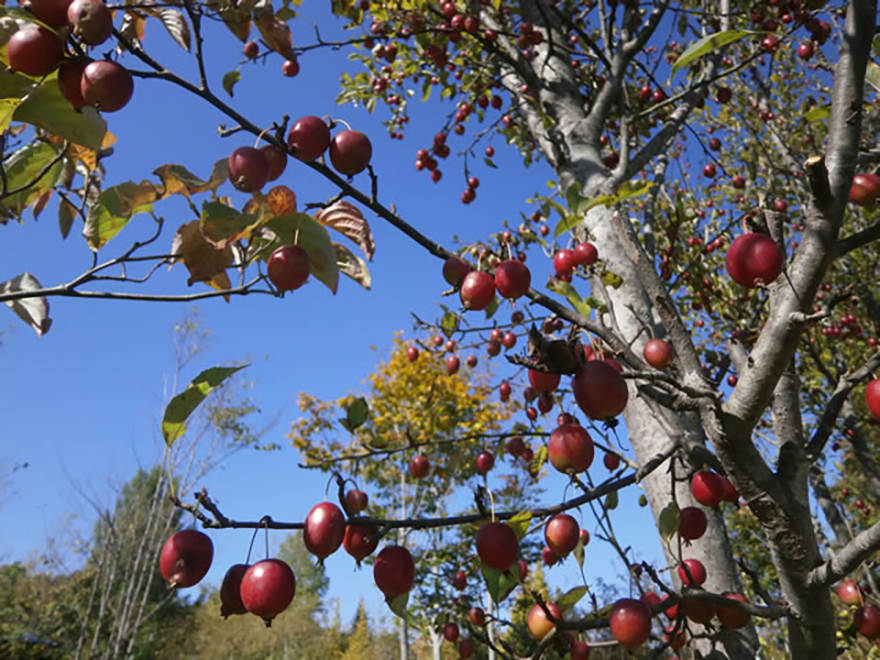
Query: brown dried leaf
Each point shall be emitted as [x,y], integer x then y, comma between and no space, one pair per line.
[204,262]
[281,200]
[347,219]
[275,32]
[133,24]
[352,265]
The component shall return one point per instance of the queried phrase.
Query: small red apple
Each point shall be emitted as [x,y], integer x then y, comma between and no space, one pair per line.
[477,290]
[692,524]
[696,570]
[658,353]
[186,558]
[865,189]
[867,620]
[360,541]
[310,138]
[708,488]
[324,529]
[872,397]
[394,571]
[600,390]
[484,462]
[731,618]
[106,85]
[538,623]
[268,588]
[570,449]
[849,592]
[248,169]
[288,267]
[350,152]
[419,466]
[34,51]
[561,533]
[630,622]
[497,545]
[230,591]
[754,258]
[512,279]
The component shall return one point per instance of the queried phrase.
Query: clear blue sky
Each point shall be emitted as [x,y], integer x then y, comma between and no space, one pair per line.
[81,405]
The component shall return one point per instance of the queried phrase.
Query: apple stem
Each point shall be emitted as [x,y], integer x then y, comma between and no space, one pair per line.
[251,546]
[260,136]
[333,122]
[266,527]
[491,503]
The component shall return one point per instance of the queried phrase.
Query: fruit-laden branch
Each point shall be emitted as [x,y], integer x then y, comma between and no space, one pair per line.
[220,521]
[845,385]
[319,465]
[848,559]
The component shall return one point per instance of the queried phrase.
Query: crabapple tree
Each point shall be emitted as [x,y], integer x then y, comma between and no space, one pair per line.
[713,190]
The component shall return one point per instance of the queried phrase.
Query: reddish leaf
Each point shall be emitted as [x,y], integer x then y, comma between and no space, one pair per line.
[281,201]
[348,220]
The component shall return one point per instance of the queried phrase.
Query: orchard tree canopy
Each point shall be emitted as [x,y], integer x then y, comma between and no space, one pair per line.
[709,236]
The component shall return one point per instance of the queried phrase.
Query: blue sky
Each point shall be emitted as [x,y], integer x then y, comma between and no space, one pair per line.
[81,405]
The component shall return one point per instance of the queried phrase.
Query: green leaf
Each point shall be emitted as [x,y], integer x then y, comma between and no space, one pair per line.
[520,523]
[595,303]
[67,213]
[579,553]
[707,45]
[872,75]
[571,598]
[312,237]
[626,190]
[498,583]
[222,224]
[229,80]
[540,457]
[611,501]
[574,199]
[114,209]
[819,113]
[449,323]
[44,106]
[181,406]
[398,604]
[570,293]
[670,519]
[611,279]
[357,413]
[22,171]
[492,308]
[7,108]
[490,163]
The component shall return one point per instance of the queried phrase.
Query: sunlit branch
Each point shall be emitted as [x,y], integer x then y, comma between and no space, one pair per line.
[848,559]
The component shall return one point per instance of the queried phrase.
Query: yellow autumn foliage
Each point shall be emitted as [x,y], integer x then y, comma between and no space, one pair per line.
[410,403]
